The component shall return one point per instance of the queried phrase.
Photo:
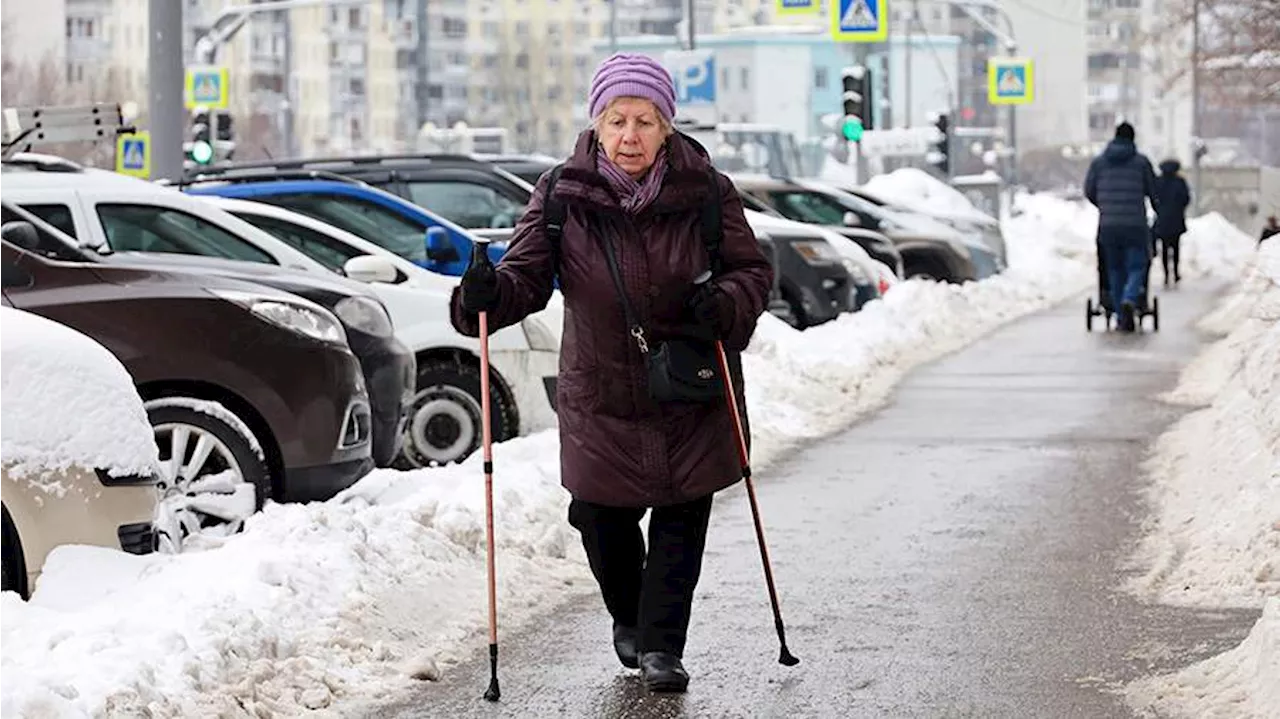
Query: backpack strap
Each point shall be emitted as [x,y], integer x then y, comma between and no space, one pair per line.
[553,216]
[710,221]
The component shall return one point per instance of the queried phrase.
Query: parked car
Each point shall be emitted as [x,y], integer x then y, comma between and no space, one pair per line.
[129,221]
[929,249]
[875,245]
[77,492]
[975,223]
[478,196]
[444,424]
[361,209]
[243,383]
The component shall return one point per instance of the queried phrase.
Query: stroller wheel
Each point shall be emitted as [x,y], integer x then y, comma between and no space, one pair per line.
[1088,315]
[1155,314]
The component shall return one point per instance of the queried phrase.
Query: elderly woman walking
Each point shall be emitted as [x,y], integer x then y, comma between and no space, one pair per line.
[633,265]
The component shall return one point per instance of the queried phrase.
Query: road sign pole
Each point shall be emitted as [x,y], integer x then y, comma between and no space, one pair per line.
[165,86]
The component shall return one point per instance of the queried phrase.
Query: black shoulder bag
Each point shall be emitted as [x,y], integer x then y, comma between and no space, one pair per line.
[679,370]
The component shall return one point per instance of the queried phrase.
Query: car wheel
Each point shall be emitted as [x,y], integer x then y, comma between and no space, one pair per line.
[444,420]
[214,472]
[13,563]
[927,268]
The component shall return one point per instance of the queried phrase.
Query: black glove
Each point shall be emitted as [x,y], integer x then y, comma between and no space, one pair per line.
[480,288]
[708,307]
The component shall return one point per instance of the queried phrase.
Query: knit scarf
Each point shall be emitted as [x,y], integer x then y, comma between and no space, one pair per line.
[634,196]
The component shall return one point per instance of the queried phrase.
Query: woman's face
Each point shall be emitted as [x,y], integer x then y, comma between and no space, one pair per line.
[631,133]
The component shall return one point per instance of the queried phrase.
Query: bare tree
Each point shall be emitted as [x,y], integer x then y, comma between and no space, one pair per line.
[1239,63]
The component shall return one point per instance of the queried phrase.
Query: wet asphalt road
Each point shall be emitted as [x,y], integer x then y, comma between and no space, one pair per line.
[955,555]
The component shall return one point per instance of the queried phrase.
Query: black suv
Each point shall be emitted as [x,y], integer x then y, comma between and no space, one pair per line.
[476,195]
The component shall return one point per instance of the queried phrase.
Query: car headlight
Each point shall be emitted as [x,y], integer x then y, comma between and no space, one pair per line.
[817,252]
[857,272]
[301,316]
[539,336]
[365,314]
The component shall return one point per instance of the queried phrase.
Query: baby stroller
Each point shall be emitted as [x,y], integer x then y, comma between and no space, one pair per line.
[1147,306]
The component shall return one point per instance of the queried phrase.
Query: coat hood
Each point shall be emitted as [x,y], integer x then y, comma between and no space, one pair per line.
[1120,151]
[1170,167]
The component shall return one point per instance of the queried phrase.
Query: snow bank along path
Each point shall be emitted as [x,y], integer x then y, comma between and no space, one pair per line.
[346,599]
[1214,539]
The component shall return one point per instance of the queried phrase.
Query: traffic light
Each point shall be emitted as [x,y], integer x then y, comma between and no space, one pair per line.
[856,96]
[940,149]
[200,147]
[225,129]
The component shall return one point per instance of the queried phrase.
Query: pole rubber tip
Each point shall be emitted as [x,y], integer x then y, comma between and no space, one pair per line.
[493,693]
[786,659]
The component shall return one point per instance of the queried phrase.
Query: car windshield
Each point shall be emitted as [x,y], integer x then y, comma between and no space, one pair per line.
[362,218]
[814,208]
[474,206]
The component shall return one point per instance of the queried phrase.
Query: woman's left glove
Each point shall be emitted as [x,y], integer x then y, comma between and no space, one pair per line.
[709,307]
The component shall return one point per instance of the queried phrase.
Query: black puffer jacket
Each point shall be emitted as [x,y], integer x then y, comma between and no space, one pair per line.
[1118,182]
[1172,198]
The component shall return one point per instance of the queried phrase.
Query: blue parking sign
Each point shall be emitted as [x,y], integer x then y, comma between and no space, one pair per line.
[694,75]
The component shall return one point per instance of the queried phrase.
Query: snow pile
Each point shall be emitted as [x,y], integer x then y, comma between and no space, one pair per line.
[917,190]
[1212,245]
[345,600]
[1214,540]
[66,400]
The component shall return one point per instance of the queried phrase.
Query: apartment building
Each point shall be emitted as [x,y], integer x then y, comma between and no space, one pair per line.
[1165,93]
[35,36]
[531,64]
[1054,35]
[1115,66]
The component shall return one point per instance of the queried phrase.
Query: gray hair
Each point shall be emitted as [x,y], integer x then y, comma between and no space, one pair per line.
[667,128]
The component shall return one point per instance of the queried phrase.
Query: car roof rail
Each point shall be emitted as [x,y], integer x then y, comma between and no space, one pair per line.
[236,175]
[25,127]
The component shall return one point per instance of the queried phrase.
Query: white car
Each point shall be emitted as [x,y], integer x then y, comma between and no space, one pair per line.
[444,422]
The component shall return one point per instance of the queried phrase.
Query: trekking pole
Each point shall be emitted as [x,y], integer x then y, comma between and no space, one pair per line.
[784,656]
[480,258]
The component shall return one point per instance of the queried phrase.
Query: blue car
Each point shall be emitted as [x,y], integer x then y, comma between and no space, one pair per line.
[410,231]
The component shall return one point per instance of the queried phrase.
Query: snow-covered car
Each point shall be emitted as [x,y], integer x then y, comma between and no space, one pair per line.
[80,465]
[525,359]
[443,425]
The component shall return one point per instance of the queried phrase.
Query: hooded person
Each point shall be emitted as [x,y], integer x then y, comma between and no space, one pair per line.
[1173,196]
[630,245]
[1119,182]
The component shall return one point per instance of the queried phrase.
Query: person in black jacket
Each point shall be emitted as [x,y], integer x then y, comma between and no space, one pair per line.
[1119,182]
[1173,196]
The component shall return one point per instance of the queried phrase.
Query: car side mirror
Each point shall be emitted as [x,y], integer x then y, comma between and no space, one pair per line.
[370,268]
[439,248]
[21,233]
[851,219]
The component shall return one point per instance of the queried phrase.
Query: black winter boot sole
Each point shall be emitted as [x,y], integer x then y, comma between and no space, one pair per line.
[663,673]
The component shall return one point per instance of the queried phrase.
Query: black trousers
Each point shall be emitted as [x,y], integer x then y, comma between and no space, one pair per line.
[653,589]
[1170,255]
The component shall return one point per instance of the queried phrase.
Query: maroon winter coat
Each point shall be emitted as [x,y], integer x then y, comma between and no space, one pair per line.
[617,446]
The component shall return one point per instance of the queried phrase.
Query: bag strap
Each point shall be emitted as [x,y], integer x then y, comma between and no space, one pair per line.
[710,222]
[553,217]
[633,325]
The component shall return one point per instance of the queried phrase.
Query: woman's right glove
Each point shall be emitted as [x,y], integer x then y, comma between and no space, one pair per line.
[480,288]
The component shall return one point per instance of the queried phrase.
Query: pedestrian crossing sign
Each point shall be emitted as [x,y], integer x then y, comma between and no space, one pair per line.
[206,88]
[859,20]
[1010,81]
[798,7]
[133,155]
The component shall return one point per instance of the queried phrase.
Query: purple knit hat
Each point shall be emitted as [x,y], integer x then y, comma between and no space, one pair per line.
[628,75]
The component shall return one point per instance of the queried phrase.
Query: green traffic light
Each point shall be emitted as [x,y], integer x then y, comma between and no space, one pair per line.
[201,153]
[852,129]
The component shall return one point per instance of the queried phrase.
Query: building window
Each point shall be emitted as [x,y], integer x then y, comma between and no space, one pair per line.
[820,78]
[745,77]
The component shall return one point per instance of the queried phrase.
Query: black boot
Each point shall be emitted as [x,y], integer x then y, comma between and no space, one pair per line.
[626,641]
[1128,312]
[663,672]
